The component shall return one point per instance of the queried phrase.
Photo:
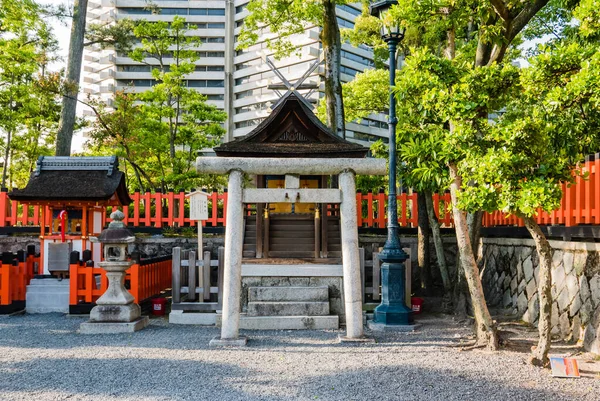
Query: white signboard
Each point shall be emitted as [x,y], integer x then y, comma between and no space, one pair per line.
[198,205]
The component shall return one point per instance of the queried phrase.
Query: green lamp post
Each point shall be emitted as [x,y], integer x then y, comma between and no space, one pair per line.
[392,312]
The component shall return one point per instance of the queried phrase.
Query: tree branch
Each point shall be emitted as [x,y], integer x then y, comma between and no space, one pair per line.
[501,9]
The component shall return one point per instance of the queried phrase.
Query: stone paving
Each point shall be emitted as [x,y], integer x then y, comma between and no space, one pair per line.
[42,357]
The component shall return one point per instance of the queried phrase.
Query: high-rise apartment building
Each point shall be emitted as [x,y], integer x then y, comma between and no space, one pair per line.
[235,81]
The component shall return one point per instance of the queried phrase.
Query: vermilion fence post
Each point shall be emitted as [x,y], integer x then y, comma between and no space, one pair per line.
[596,191]
[3,208]
[134,281]
[171,210]
[126,213]
[5,294]
[136,209]
[381,208]
[181,203]
[14,210]
[147,209]
[589,191]
[224,197]
[370,211]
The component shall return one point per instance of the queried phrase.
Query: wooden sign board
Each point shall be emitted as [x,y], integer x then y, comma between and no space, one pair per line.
[564,367]
[198,205]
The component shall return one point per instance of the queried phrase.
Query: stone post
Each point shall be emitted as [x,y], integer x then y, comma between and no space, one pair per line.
[232,277]
[350,257]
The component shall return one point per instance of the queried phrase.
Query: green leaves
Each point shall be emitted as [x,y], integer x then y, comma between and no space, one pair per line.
[161,135]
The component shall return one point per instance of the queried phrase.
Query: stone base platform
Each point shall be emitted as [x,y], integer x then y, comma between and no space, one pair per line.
[241,341]
[287,322]
[113,327]
[47,295]
[181,317]
[392,327]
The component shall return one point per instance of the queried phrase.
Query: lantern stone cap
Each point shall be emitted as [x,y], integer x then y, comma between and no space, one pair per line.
[117,232]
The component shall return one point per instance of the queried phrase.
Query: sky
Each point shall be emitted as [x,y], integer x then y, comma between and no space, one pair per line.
[62,30]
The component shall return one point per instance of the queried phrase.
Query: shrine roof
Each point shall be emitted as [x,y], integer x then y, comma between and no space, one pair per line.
[291,130]
[60,178]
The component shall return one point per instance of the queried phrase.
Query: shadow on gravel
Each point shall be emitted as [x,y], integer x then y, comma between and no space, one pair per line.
[417,383]
[123,377]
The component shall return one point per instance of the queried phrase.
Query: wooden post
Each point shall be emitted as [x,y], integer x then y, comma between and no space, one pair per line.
[376,276]
[192,277]
[221,264]
[199,237]
[259,230]
[176,273]
[260,183]
[266,232]
[361,255]
[317,231]
[324,220]
[206,276]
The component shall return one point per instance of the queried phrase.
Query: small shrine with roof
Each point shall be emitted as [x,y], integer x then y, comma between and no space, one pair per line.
[73,193]
[292,230]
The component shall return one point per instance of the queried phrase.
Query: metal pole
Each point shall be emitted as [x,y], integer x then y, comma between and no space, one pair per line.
[393,311]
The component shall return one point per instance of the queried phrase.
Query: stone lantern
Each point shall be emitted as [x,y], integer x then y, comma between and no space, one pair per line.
[115,311]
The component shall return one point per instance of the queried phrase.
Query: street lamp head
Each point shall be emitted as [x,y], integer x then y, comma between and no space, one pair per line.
[391,29]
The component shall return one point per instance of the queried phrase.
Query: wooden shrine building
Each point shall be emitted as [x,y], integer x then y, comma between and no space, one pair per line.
[292,230]
[74,193]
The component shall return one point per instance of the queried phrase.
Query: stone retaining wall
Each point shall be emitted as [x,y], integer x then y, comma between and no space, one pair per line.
[510,275]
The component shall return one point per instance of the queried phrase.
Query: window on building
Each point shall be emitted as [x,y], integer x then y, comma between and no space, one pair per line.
[349,9]
[136,82]
[356,58]
[134,68]
[345,24]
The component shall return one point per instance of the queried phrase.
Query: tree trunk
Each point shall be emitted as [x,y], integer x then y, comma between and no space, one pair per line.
[332,47]
[69,102]
[485,327]
[6,157]
[545,252]
[474,221]
[423,256]
[439,244]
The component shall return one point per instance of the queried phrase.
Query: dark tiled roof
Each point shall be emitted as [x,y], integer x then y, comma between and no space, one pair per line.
[291,130]
[74,179]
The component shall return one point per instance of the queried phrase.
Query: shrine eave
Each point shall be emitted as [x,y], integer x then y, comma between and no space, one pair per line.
[74,186]
[291,130]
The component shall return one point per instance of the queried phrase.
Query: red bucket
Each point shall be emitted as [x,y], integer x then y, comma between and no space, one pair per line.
[158,306]
[417,304]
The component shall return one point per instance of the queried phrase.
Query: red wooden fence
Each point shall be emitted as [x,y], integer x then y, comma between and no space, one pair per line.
[14,279]
[146,279]
[580,205]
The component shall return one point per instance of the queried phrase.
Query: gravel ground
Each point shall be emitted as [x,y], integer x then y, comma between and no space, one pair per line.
[42,357]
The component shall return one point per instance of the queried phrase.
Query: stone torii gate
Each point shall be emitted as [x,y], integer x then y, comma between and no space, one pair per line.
[292,168]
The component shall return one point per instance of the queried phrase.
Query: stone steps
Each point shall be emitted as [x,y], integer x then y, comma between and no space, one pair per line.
[286,308]
[288,294]
[47,295]
[287,322]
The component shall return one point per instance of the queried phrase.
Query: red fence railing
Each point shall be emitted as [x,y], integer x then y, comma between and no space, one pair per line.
[144,279]
[580,205]
[15,277]
[580,202]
